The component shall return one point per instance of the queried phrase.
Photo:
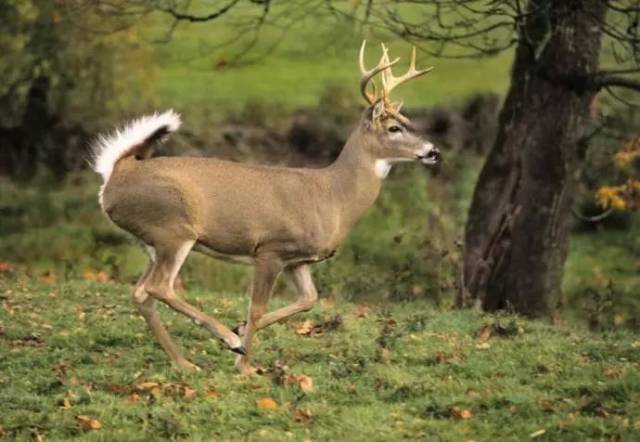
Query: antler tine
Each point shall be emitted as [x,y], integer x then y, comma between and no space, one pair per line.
[389,81]
[367,75]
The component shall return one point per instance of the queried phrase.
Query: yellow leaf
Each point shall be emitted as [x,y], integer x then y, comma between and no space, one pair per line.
[460,413]
[189,393]
[266,403]
[86,423]
[302,415]
[305,383]
[303,328]
[147,386]
[485,333]
[537,434]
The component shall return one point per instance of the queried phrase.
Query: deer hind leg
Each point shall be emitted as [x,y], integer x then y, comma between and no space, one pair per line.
[159,285]
[266,273]
[307,296]
[147,307]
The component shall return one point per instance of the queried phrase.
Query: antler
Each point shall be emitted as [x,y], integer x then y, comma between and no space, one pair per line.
[367,75]
[389,81]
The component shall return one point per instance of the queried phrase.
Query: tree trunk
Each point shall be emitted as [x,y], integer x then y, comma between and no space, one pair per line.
[517,233]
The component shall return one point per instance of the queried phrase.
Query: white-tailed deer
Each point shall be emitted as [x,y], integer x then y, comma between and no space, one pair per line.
[277,219]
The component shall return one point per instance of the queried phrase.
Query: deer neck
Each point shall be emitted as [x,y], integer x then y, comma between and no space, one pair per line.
[355,185]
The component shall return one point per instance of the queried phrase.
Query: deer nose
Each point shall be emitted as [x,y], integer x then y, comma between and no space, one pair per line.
[434,154]
[430,154]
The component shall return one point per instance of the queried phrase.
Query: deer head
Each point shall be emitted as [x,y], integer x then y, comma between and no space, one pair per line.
[388,134]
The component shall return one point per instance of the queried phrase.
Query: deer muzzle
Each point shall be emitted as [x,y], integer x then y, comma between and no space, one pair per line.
[429,154]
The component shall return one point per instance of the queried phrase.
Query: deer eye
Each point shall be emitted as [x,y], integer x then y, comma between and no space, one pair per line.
[394,129]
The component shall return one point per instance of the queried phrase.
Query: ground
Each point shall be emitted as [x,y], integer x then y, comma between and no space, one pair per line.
[80,363]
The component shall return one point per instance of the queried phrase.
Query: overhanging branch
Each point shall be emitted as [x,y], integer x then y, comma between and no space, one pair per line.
[201,18]
[618,81]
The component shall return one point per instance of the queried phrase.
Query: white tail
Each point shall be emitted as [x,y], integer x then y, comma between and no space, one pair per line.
[108,149]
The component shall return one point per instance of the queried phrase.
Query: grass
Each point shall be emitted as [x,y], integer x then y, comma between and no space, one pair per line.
[400,371]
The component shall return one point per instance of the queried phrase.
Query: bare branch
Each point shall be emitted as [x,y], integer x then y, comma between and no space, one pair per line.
[617,81]
[202,18]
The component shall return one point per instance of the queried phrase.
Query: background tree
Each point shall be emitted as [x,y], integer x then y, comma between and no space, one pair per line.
[58,74]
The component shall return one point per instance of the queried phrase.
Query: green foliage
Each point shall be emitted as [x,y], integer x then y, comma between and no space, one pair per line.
[90,71]
[407,370]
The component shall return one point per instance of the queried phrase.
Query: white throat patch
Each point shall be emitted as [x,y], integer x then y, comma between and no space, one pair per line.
[382,168]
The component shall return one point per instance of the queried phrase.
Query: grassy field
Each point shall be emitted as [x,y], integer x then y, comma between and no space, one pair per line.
[79,363]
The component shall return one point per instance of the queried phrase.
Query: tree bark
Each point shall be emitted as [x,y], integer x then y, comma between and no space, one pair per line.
[517,233]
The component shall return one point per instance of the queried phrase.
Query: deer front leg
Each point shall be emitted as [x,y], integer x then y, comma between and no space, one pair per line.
[307,296]
[266,273]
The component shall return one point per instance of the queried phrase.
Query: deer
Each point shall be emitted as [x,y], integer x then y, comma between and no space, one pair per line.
[280,220]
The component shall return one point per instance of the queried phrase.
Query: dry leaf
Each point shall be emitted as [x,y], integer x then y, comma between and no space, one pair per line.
[614,372]
[212,392]
[361,311]
[442,357]
[48,277]
[86,423]
[189,393]
[302,415]
[6,267]
[303,381]
[460,413]
[483,346]
[266,403]
[66,404]
[537,434]
[134,397]
[145,386]
[485,333]
[303,328]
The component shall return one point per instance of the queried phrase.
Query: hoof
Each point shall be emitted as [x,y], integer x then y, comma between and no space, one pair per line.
[239,329]
[240,350]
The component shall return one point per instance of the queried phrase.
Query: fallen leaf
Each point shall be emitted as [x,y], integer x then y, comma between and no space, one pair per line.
[6,267]
[442,357]
[48,277]
[90,275]
[614,372]
[483,346]
[134,397]
[303,381]
[361,311]
[212,392]
[460,413]
[302,415]
[537,434]
[303,328]
[485,333]
[266,403]
[86,423]
[147,386]
[189,393]
[66,404]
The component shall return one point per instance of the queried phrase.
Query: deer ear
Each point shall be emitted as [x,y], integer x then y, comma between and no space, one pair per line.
[374,113]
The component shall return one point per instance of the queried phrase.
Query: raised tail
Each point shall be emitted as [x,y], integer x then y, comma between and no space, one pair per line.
[134,138]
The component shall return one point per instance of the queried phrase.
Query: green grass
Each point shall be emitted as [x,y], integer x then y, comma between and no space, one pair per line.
[404,371]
